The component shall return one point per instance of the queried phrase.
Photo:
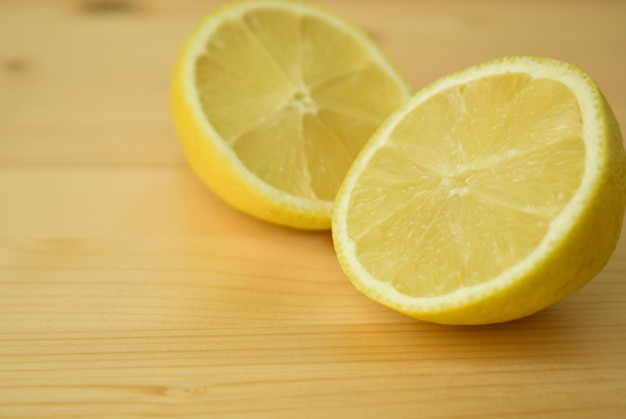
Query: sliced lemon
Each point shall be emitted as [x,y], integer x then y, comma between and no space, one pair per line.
[491,194]
[272,100]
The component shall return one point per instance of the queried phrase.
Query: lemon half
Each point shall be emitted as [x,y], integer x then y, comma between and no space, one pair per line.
[493,193]
[272,100]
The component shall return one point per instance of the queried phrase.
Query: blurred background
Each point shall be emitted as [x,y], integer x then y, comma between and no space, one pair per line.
[85,82]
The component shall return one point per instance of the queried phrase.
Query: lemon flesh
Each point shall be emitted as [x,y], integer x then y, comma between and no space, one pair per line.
[282,96]
[485,185]
[476,203]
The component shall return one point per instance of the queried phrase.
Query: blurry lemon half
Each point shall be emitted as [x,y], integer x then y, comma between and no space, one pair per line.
[272,100]
[493,193]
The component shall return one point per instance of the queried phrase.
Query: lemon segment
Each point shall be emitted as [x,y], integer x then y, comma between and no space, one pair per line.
[478,200]
[272,100]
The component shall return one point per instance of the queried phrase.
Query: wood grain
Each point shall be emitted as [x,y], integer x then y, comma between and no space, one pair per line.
[128,290]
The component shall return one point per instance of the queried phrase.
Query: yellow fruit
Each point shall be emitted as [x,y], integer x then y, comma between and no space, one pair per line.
[272,100]
[491,194]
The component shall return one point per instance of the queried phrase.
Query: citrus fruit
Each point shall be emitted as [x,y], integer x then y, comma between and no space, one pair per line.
[272,100]
[491,194]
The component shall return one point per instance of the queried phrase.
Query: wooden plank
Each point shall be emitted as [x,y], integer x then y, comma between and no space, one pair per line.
[127,289]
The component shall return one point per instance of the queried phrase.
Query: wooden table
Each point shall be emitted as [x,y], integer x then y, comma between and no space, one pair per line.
[128,290]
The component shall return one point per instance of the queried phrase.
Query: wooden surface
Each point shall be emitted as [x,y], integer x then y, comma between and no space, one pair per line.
[128,290]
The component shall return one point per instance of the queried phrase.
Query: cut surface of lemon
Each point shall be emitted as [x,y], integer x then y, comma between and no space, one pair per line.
[272,100]
[491,194]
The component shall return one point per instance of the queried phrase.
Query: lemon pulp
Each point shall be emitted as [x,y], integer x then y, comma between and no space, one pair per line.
[293,96]
[487,161]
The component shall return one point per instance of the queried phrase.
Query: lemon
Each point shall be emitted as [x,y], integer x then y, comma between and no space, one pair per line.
[272,100]
[491,194]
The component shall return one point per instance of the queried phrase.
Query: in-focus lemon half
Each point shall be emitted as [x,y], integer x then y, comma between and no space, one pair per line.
[272,100]
[493,193]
